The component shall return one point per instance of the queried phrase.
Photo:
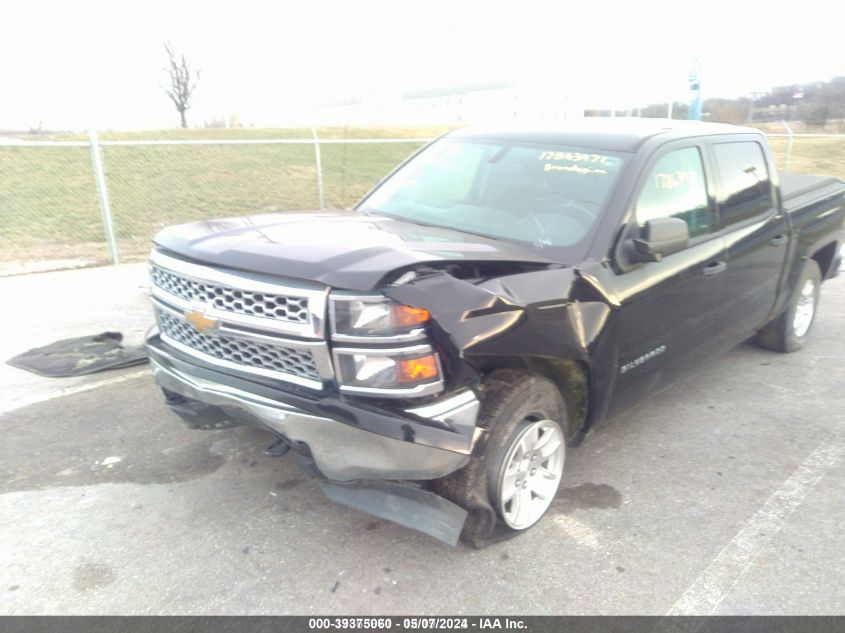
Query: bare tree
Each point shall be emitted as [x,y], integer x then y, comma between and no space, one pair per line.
[182,82]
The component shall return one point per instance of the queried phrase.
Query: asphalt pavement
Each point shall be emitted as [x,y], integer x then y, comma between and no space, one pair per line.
[723,494]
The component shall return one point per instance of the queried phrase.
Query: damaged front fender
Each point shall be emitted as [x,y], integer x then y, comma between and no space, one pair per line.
[554,314]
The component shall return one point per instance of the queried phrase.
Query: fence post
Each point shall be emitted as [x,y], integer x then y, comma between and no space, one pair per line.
[319,166]
[105,209]
[788,146]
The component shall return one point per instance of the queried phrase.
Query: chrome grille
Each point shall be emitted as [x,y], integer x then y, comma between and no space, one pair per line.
[259,304]
[243,352]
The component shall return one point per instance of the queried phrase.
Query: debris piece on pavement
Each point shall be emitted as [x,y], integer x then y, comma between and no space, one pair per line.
[79,356]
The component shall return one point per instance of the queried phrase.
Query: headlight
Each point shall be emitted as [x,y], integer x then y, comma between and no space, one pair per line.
[374,316]
[398,372]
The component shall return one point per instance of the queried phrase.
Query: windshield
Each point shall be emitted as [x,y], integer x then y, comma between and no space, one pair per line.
[546,196]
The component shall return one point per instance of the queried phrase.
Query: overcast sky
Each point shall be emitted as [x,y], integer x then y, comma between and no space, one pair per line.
[80,62]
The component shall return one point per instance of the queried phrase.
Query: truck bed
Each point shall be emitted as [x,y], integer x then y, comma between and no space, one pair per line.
[798,190]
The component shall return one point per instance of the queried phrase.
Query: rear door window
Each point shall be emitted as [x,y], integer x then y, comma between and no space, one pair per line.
[745,188]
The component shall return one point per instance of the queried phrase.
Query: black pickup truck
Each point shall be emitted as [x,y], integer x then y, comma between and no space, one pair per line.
[431,354]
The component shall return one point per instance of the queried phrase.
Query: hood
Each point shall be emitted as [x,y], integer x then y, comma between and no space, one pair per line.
[343,249]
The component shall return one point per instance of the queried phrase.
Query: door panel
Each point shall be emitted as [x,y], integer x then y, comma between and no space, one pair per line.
[755,256]
[667,319]
[668,309]
[756,239]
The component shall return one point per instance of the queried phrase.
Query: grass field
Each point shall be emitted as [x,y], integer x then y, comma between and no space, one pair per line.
[822,156]
[49,207]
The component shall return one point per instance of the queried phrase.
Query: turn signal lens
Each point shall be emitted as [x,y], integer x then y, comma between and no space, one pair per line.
[414,370]
[407,316]
[374,316]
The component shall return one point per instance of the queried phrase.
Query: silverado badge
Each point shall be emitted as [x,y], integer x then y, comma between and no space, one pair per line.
[201,322]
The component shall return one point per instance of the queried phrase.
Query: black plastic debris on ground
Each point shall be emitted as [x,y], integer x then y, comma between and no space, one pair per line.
[80,356]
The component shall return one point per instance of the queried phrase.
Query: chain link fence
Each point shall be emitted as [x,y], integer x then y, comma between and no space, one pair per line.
[821,154]
[53,214]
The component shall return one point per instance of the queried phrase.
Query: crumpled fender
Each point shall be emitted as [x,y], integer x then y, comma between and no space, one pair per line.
[557,313]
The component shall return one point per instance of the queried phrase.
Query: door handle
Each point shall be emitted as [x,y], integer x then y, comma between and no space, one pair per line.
[711,270]
[779,240]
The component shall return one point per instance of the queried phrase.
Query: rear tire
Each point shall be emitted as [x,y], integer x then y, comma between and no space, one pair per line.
[511,486]
[789,331]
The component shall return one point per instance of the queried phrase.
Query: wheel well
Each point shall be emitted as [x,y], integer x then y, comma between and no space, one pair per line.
[571,377]
[825,257]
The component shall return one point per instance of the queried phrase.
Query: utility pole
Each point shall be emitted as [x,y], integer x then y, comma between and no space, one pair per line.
[751,99]
[695,87]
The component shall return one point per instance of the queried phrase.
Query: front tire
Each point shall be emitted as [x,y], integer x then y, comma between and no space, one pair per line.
[790,331]
[511,486]
[524,483]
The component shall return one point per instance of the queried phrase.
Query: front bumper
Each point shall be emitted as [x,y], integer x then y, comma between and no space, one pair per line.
[341,448]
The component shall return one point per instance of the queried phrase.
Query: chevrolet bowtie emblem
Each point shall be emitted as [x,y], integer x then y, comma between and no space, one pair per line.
[201,322]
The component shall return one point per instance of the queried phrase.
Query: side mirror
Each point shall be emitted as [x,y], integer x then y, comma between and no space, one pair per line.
[660,237]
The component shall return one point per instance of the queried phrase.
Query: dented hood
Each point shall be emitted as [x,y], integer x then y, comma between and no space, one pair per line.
[343,249]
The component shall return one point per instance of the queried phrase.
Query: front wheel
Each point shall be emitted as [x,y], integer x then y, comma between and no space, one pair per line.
[525,482]
[789,331]
[511,486]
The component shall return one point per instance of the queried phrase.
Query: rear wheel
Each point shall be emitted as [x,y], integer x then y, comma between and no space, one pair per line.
[511,486]
[789,331]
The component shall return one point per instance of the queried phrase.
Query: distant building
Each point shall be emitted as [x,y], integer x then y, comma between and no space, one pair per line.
[454,105]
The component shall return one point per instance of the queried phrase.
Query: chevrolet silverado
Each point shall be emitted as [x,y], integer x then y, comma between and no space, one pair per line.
[431,354]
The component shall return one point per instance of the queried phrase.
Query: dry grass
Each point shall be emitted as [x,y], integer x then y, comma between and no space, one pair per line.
[823,156]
